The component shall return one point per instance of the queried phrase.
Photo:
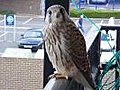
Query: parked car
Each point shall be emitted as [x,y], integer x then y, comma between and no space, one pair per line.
[31,39]
[107,42]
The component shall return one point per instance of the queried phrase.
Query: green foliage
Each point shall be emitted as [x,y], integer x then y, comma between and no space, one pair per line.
[93,13]
[3,12]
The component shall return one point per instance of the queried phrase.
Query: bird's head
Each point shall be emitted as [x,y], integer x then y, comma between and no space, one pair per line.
[56,13]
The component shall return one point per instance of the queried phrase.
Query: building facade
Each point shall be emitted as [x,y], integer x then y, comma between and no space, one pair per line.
[22,6]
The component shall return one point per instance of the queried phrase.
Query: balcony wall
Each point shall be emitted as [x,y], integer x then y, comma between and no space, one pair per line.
[21,74]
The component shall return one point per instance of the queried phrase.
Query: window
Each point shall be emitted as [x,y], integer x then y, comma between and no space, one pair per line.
[98,1]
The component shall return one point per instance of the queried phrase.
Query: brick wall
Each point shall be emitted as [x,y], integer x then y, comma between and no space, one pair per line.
[21,6]
[21,74]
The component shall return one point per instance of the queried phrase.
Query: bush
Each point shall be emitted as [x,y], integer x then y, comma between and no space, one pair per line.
[3,12]
[93,13]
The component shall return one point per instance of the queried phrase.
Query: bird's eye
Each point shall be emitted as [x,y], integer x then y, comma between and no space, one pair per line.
[50,12]
[61,10]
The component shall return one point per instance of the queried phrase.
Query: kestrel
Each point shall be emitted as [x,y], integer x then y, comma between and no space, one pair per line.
[65,46]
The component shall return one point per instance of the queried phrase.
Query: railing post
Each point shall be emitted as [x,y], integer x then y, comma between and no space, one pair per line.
[48,69]
[94,56]
[117,49]
[64,3]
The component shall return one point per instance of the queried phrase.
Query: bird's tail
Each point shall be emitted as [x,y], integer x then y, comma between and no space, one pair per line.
[85,80]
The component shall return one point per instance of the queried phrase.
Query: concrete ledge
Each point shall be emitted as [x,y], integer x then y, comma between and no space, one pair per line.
[18,53]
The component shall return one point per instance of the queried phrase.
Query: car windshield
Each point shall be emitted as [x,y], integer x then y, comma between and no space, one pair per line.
[33,34]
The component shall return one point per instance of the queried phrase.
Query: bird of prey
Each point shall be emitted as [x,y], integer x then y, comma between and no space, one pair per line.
[65,46]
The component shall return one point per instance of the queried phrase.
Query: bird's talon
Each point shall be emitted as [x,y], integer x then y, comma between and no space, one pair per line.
[57,76]
[61,77]
[51,76]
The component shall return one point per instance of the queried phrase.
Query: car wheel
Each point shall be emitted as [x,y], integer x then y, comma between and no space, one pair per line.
[41,46]
[19,47]
[34,50]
